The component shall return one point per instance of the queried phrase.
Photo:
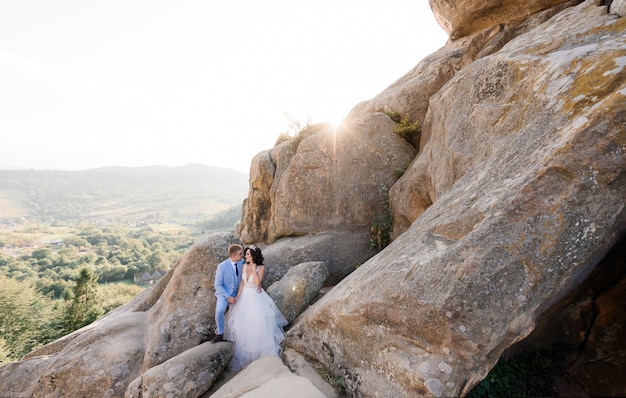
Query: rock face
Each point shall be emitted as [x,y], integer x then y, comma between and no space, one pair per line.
[340,251]
[502,225]
[465,17]
[517,192]
[188,374]
[328,181]
[618,7]
[483,94]
[297,289]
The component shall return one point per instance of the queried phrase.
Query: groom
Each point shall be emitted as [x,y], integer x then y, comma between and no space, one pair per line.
[227,278]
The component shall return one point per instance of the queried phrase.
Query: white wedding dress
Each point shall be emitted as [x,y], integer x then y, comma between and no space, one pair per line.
[254,324]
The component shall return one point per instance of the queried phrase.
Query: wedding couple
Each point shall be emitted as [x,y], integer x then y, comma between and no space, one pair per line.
[254,323]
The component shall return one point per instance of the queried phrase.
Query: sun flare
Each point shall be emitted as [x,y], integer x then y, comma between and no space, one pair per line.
[335,122]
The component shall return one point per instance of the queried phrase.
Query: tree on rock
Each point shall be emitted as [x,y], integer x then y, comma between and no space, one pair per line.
[85,303]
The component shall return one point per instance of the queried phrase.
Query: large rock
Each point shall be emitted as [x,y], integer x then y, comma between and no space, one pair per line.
[331,183]
[297,289]
[525,170]
[257,207]
[20,378]
[189,374]
[482,97]
[99,361]
[461,18]
[341,251]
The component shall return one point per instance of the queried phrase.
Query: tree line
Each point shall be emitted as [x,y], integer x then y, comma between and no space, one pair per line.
[116,253]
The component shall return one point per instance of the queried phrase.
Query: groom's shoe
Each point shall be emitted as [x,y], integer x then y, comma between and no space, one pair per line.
[218,338]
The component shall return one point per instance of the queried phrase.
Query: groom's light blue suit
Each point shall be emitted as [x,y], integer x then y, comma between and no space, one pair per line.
[226,285]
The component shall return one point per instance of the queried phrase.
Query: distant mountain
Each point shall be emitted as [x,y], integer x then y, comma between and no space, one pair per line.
[152,193]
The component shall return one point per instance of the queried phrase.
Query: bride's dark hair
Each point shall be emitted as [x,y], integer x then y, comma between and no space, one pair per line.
[256,254]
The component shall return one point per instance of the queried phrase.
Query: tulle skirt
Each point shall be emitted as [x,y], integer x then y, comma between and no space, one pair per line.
[255,325]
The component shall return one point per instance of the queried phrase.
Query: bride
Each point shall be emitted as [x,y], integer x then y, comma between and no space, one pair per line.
[254,323]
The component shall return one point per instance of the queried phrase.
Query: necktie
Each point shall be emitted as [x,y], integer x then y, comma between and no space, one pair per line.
[236,270]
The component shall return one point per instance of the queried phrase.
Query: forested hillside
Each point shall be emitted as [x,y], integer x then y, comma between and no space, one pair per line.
[64,234]
[120,194]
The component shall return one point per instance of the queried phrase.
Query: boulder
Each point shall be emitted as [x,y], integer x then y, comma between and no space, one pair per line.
[341,251]
[332,181]
[257,207]
[100,361]
[482,97]
[189,374]
[20,378]
[465,17]
[297,289]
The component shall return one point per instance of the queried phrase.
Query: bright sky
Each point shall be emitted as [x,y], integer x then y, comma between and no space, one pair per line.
[86,84]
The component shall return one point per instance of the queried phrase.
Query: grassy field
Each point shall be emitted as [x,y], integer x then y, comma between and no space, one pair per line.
[13,203]
[23,238]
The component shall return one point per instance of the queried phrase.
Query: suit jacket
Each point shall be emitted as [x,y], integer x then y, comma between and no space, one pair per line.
[226,281]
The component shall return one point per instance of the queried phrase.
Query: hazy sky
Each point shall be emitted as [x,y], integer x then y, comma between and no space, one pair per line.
[87,83]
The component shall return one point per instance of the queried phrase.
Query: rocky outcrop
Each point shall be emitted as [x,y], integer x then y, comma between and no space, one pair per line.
[330,183]
[410,95]
[502,225]
[482,96]
[467,17]
[519,191]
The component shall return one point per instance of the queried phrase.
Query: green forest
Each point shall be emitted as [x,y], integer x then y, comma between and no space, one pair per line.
[74,246]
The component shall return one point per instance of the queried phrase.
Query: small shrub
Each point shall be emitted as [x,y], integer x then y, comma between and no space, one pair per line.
[282,137]
[335,381]
[407,129]
[296,129]
[404,127]
[395,116]
[306,132]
